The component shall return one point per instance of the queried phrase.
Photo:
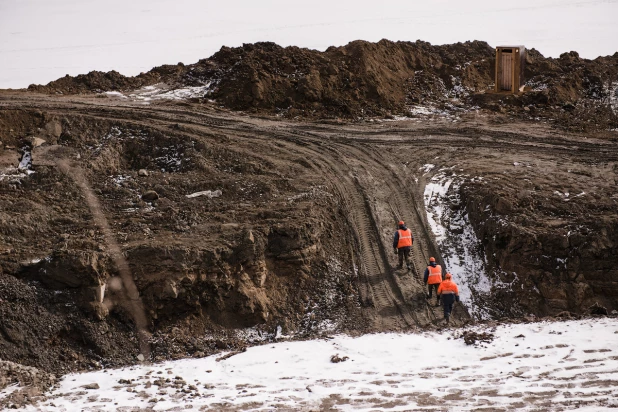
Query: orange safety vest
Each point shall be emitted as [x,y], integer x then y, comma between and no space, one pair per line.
[435,274]
[405,238]
[448,287]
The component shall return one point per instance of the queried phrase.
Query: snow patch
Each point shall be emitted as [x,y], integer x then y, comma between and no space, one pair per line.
[427,167]
[459,246]
[612,93]
[524,367]
[164,92]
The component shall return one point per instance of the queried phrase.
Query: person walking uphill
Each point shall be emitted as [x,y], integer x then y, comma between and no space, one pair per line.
[449,292]
[433,278]
[402,243]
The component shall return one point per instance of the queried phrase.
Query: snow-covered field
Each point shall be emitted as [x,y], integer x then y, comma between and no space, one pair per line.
[42,40]
[535,366]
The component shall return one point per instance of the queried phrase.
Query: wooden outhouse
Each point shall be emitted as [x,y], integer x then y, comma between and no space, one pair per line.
[510,62]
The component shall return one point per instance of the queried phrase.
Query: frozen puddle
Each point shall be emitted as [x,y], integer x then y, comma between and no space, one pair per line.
[535,366]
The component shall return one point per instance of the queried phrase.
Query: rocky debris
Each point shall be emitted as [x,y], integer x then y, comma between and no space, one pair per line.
[472,338]
[32,383]
[91,386]
[14,373]
[336,358]
[201,279]
[142,172]
[150,196]
[597,309]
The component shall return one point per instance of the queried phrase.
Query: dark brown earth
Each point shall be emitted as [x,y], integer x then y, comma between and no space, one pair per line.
[298,240]
[363,79]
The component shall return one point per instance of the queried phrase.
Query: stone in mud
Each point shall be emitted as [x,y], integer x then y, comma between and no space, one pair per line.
[150,196]
[36,141]
[142,172]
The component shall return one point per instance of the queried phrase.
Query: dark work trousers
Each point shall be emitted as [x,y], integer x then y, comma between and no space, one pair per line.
[404,252]
[448,300]
[432,287]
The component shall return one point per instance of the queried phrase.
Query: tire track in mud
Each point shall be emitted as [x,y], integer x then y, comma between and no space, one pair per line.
[391,311]
[404,207]
[381,292]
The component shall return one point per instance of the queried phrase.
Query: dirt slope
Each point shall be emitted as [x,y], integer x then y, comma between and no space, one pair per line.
[298,237]
[363,79]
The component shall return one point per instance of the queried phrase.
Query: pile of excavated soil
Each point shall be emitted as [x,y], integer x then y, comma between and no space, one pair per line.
[362,80]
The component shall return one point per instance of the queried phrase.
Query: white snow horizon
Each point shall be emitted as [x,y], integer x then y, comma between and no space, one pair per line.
[43,40]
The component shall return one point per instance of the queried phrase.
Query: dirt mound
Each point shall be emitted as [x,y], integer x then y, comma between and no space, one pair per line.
[363,79]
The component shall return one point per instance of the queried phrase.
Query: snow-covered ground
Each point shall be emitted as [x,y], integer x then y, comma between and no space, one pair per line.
[162,92]
[534,366]
[42,40]
[459,246]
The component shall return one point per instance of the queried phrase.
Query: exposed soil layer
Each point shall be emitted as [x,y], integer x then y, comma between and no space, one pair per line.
[363,79]
[293,233]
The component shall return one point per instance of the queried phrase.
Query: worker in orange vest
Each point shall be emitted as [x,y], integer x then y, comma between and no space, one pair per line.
[449,292]
[433,278]
[402,243]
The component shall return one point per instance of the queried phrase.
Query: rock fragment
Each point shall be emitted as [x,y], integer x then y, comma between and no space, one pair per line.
[150,196]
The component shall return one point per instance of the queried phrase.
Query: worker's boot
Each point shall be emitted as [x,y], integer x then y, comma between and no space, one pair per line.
[447,318]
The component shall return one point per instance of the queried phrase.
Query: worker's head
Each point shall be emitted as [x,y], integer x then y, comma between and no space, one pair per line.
[432,259]
[402,223]
[448,276]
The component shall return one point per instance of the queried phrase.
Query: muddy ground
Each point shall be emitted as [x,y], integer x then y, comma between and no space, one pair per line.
[297,241]
[152,229]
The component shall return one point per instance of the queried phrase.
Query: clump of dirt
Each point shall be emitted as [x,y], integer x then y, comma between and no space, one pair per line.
[337,359]
[363,79]
[31,383]
[472,338]
[597,309]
